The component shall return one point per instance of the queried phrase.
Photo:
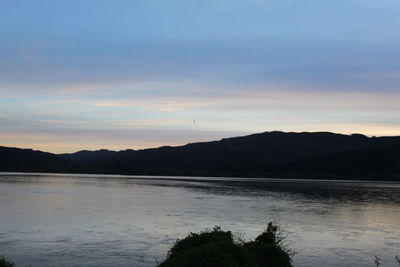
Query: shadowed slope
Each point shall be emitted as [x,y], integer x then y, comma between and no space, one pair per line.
[271,154]
[27,160]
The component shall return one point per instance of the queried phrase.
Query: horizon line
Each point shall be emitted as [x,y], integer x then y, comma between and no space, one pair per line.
[197,142]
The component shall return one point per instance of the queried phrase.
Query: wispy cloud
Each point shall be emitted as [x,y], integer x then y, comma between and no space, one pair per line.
[133,71]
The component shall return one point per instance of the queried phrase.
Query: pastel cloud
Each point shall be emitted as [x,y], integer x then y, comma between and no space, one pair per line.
[137,73]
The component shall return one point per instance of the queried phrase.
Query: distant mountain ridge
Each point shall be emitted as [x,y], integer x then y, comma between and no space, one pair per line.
[269,154]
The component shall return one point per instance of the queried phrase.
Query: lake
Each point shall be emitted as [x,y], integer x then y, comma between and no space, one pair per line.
[99,220]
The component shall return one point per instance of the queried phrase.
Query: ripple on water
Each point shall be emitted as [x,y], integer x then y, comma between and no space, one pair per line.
[89,221]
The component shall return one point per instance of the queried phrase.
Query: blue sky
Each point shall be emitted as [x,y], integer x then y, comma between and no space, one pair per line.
[134,74]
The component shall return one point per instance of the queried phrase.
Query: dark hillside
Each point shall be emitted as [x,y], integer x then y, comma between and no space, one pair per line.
[86,156]
[28,160]
[274,153]
[382,161]
[278,154]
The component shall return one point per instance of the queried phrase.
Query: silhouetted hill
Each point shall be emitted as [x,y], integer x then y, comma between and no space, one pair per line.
[85,156]
[271,154]
[366,162]
[28,160]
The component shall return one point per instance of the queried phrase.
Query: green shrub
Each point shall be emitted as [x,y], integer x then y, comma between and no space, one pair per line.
[5,263]
[219,249]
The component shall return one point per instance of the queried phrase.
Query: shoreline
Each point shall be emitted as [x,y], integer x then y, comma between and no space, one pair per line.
[195,178]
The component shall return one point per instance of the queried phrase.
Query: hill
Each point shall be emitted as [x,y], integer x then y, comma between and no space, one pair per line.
[28,160]
[270,154]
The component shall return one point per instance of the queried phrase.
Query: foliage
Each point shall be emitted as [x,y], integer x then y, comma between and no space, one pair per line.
[377,261]
[5,263]
[222,249]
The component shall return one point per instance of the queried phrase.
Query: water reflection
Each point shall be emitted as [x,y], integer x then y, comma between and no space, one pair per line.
[64,220]
[352,191]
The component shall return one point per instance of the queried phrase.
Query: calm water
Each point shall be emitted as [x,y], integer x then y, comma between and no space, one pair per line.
[77,220]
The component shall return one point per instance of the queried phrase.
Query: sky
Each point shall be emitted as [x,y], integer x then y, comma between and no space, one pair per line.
[91,74]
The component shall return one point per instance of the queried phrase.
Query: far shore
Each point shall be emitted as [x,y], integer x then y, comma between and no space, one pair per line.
[195,178]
